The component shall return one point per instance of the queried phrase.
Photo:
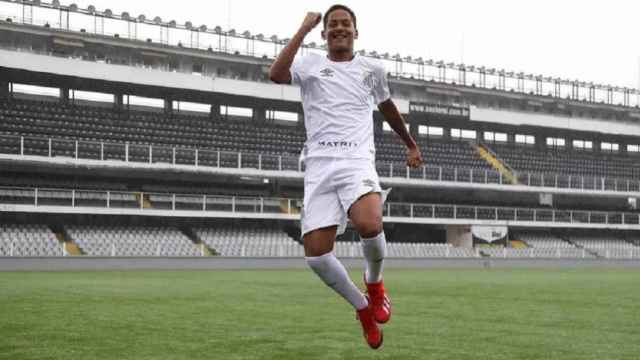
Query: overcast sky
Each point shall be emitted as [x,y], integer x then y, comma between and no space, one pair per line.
[574,39]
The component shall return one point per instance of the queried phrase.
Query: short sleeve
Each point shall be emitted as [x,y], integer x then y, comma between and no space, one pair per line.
[381,88]
[299,70]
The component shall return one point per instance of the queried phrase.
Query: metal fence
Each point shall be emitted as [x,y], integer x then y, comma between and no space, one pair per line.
[156,154]
[144,201]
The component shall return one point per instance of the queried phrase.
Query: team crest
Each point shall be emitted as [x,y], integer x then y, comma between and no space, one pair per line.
[369,81]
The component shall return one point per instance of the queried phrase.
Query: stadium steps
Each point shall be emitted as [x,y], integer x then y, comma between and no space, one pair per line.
[146,203]
[284,207]
[519,244]
[197,242]
[70,247]
[492,159]
[588,251]
[480,252]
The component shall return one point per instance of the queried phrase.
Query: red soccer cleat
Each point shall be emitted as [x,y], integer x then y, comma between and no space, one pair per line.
[372,333]
[380,303]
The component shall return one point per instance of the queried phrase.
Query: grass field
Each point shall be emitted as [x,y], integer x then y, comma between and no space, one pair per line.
[441,314]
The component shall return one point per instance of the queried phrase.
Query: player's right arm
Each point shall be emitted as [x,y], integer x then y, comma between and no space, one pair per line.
[280,71]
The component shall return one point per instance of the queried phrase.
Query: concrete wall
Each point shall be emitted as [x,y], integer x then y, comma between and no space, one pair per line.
[554,121]
[4,89]
[460,235]
[151,77]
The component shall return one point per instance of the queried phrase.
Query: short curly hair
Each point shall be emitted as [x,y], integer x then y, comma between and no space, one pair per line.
[339,7]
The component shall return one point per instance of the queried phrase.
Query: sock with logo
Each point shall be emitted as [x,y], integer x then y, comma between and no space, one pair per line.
[374,250]
[333,273]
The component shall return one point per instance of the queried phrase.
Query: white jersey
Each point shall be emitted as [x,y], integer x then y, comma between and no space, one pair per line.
[338,100]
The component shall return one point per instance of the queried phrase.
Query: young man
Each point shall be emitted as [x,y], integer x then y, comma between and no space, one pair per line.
[339,92]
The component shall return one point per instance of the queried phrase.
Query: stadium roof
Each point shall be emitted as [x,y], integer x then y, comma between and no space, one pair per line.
[262,45]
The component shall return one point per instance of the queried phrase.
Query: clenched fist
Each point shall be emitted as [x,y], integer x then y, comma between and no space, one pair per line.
[414,158]
[311,21]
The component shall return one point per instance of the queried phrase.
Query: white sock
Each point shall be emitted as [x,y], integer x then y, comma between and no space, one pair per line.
[374,250]
[333,273]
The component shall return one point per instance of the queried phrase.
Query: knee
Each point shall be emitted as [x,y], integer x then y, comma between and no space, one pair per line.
[314,251]
[369,228]
[319,242]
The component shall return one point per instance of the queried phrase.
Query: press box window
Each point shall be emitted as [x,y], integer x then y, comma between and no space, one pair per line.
[495,136]
[582,144]
[525,139]
[463,134]
[555,142]
[430,130]
[605,146]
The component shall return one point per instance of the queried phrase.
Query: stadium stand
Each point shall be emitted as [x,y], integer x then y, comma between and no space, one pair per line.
[565,161]
[103,240]
[429,250]
[63,126]
[545,245]
[437,152]
[502,251]
[543,240]
[43,118]
[260,241]
[28,240]
[606,245]
[270,241]
[39,120]
[407,250]
[634,239]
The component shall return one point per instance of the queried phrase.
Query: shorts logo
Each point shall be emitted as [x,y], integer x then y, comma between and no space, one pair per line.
[326,72]
[369,183]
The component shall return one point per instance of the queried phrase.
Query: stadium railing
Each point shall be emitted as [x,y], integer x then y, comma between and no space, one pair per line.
[150,202]
[155,154]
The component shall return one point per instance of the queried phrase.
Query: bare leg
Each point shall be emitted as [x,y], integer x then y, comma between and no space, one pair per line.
[319,242]
[366,215]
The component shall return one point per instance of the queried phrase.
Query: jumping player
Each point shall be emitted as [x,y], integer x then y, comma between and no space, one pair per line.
[339,92]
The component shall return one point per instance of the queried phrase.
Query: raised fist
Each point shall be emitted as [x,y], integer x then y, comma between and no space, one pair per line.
[311,21]
[414,158]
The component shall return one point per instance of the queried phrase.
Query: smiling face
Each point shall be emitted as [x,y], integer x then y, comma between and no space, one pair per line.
[339,32]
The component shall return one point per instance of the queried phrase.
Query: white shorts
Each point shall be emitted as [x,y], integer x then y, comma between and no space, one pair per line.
[331,186]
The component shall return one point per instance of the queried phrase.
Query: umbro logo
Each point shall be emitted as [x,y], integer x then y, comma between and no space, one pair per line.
[326,72]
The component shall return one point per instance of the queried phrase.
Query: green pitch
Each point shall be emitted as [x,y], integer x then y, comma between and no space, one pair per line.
[441,314]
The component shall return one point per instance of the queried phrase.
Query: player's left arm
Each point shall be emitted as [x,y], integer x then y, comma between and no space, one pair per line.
[391,114]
